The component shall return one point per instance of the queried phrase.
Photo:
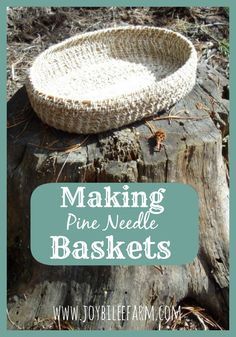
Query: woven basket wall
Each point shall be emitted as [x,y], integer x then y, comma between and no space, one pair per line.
[102,80]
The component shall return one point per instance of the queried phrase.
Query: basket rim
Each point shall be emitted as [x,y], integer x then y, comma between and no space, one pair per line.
[58,100]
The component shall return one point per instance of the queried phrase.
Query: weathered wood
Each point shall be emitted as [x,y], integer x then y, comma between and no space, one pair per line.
[192,155]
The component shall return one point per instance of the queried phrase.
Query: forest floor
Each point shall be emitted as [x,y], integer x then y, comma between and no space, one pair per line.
[32,30]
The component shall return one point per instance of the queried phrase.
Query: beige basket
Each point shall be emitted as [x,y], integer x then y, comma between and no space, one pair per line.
[102,80]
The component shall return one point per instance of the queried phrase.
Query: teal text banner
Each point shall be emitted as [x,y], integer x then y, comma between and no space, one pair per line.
[114,224]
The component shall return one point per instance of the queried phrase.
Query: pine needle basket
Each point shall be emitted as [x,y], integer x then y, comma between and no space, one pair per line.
[105,79]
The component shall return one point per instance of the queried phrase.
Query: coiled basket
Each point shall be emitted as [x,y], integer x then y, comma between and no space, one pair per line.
[103,80]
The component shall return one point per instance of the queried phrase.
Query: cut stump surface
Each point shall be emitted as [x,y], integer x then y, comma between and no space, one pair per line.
[192,154]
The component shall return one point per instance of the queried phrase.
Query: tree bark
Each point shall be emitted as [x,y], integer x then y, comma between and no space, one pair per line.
[192,154]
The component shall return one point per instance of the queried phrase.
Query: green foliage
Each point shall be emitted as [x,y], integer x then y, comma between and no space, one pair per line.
[224,47]
[226,11]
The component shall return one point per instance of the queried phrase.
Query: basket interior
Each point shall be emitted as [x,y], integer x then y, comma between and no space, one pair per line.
[109,65]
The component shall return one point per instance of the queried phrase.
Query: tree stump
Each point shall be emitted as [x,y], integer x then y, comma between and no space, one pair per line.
[192,154]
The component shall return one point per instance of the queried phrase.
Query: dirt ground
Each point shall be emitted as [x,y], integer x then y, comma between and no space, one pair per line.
[32,30]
